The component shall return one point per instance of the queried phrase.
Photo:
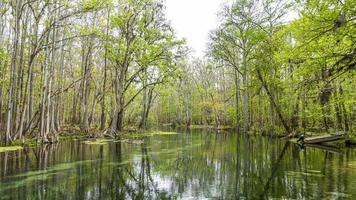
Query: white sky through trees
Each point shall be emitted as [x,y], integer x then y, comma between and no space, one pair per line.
[193,20]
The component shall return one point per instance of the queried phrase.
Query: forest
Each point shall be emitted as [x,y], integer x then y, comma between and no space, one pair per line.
[104,99]
[108,67]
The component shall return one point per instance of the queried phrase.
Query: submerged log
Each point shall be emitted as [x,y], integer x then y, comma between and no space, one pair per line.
[326,147]
[325,138]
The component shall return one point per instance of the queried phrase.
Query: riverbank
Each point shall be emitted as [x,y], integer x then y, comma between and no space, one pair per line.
[132,135]
[94,136]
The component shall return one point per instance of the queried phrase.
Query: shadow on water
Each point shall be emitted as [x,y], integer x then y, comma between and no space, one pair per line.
[195,165]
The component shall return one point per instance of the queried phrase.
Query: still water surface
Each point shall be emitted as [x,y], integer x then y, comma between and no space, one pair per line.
[195,165]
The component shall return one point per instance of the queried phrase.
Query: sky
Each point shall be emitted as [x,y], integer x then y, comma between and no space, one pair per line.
[193,20]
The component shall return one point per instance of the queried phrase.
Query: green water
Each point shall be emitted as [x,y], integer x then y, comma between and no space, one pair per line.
[196,165]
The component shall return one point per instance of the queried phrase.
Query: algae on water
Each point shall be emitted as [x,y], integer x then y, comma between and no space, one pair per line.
[131,136]
[164,133]
[40,175]
[10,148]
[149,134]
[98,142]
[154,133]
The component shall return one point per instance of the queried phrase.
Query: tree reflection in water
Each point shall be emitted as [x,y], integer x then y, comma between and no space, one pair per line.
[193,165]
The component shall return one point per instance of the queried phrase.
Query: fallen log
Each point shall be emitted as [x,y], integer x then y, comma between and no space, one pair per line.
[325,138]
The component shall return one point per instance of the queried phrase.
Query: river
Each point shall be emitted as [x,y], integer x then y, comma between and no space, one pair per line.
[189,165]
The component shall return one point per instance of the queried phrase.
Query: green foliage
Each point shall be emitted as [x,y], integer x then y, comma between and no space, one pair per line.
[3,64]
[88,5]
[299,61]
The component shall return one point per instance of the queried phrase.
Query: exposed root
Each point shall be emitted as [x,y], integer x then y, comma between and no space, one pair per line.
[110,133]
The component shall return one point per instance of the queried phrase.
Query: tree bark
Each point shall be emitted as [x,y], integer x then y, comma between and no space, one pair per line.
[276,107]
[237,97]
[13,69]
[103,113]
[245,95]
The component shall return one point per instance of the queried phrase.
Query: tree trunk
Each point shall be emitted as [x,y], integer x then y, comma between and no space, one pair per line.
[13,75]
[325,106]
[344,111]
[44,113]
[103,114]
[87,75]
[237,97]
[117,121]
[276,107]
[337,109]
[59,102]
[245,96]
[143,120]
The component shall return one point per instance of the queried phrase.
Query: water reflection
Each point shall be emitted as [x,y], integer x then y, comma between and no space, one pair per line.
[193,165]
